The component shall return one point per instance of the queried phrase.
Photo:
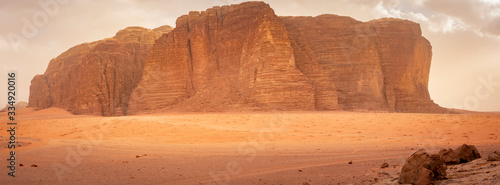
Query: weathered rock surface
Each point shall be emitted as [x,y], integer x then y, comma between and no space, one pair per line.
[287,63]
[377,65]
[467,153]
[95,78]
[245,57]
[478,171]
[422,168]
[227,57]
[495,156]
[449,156]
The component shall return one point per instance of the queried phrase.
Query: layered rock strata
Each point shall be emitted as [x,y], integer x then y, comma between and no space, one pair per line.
[245,57]
[95,78]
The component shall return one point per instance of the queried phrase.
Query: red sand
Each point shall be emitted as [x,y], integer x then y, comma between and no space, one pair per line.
[232,148]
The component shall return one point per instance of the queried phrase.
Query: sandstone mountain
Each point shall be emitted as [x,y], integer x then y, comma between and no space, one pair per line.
[245,57]
[382,64]
[95,78]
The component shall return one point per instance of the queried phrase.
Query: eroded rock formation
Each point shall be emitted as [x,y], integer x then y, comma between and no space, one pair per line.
[95,78]
[245,57]
[467,153]
[226,57]
[422,168]
[495,156]
[377,65]
[449,156]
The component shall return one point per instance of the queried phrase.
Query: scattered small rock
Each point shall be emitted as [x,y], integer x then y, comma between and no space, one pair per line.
[21,164]
[300,170]
[495,156]
[350,162]
[383,174]
[467,153]
[34,165]
[385,165]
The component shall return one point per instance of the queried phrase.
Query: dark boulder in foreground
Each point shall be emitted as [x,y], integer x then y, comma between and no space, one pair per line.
[422,168]
[467,153]
[449,156]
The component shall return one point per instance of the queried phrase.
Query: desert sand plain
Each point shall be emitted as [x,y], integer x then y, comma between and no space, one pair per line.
[236,148]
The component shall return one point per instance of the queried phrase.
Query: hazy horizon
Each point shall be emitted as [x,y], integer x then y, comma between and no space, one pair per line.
[465,36]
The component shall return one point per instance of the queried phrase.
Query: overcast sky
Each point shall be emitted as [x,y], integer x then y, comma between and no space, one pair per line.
[465,35]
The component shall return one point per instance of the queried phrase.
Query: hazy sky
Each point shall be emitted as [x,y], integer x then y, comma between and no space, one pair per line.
[465,35]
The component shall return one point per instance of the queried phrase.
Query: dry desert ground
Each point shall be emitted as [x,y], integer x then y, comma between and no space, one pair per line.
[233,148]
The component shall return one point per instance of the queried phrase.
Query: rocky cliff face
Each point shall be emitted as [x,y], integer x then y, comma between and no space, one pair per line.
[95,78]
[378,65]
[245,57]
[228,57]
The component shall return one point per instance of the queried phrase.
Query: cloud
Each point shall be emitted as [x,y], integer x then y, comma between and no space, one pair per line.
[446,24]
[480,17]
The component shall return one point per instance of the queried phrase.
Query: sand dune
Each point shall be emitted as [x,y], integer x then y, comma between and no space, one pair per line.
[234,148]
